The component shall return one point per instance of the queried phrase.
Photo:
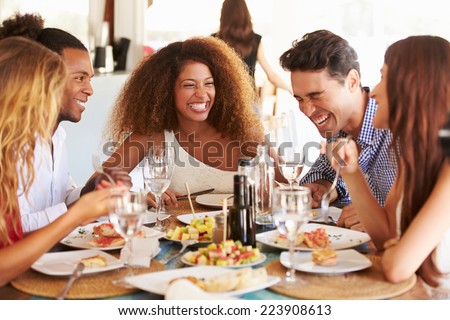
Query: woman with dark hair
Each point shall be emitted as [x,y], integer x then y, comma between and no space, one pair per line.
[413,98]
[236,29]
[197,96]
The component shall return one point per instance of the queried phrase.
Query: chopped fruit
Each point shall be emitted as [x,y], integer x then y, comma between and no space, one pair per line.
[233,254]
[200,229]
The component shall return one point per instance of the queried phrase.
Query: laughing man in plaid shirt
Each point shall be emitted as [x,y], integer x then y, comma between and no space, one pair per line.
[325,78]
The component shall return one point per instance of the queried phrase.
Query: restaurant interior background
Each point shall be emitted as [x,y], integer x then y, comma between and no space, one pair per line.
[369,25]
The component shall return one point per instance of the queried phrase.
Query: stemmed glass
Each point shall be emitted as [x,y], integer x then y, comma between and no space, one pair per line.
[291,160]
[291,210]
[157,172]
[126,213]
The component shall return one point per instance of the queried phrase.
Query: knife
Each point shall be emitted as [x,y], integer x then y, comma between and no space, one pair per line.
[198,193]
[75,275]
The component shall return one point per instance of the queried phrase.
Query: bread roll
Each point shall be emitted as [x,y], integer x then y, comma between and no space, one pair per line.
[97,261]
[324,257]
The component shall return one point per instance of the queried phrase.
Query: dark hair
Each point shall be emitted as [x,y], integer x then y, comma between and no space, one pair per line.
[146,104]
[32,26]
[320,50]
[418,88]
[418,85]
[236,27]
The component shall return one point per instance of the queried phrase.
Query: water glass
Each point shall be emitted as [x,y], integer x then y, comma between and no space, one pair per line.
[291,211]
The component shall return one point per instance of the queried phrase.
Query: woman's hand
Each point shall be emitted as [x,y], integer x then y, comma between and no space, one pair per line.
[349,219]
[91,206]
[345,154]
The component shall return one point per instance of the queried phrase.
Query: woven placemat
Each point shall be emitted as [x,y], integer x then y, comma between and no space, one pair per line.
[89,286]
[366,284]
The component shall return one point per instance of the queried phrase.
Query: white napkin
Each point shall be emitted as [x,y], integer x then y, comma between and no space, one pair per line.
[183,289]
[144,249]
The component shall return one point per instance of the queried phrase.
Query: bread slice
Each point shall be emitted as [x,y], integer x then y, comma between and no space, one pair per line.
[97,261]
[105,230]
[324,257]
[316,238]
[106,242]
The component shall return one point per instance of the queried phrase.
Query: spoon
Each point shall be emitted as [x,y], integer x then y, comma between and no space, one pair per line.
[185,244]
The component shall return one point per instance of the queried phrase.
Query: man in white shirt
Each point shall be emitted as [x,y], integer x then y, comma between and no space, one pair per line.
[53,189]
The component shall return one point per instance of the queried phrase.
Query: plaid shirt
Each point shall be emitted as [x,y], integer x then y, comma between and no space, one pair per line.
[376,161]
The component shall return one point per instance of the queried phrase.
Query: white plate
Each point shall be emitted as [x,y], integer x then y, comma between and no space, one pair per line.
[179,241]
[81,236]
[340,238]
[214,200]
[150,216]
[333,212]
[263,258]
[158,282]
[63,263]
[187,218]
[346,261]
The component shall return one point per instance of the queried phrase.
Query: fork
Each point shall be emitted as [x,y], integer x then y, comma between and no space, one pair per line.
[327,195]
[325,203]
[185,244]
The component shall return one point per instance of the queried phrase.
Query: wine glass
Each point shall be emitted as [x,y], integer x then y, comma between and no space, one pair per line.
[291,160]
[126,213]
[291,210]
[157,171]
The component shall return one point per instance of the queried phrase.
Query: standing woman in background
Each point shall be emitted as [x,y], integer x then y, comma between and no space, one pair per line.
[236,29]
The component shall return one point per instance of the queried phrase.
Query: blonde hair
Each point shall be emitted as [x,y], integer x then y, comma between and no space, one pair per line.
[33,79]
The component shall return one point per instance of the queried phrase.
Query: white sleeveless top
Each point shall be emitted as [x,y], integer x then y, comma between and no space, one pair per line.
[441,260]
[198,175]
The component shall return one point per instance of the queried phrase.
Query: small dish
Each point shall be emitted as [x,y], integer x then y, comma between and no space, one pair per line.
[340,238]
[187,218]
[62,263]
[81,236]
[158,282]
[214,200]
[346,261]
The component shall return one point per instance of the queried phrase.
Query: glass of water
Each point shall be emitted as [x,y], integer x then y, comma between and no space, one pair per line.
[291,209]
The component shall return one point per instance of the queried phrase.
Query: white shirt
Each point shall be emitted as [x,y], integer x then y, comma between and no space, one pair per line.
[199,175]
[52,187]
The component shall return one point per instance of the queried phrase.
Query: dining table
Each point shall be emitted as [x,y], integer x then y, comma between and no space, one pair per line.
[363,284]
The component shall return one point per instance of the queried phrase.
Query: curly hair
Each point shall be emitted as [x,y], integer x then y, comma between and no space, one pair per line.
[320,50]
[29,98]
[32,26]
[146,104]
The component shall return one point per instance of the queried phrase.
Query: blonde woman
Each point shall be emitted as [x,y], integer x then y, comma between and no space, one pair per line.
[29,97]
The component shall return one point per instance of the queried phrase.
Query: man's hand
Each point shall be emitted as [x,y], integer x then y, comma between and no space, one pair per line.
[349,219]
[318,189]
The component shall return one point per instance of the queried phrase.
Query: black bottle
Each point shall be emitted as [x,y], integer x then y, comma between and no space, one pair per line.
[242,224]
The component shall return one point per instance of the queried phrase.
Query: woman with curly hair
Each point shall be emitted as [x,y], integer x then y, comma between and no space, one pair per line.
[413,227]
[196,95]
[29,105]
